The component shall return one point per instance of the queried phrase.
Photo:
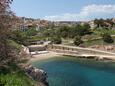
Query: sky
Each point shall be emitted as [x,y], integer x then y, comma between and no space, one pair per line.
[64,10]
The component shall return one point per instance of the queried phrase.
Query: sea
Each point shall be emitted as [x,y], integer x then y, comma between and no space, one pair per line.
[73,71]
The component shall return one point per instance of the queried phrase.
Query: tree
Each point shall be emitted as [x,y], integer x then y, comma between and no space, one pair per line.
[31,32]
[6,23]
[49,33]
[56,40]
[77,40]
[82,30]
[86,29]
[64,31]
[107,38]
[20,37]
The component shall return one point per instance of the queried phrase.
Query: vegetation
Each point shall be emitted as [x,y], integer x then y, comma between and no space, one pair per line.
[64,31]
[15,45]
[10,73]
[82,30]
[7,52]
[77,40]
[100,31]
[14,76]
[11,41]
[19,37]
[24,37]
[56,40]
[107,38]
[31,32]
[67,31]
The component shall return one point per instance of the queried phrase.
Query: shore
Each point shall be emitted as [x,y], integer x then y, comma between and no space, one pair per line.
[44,56]
[51,54]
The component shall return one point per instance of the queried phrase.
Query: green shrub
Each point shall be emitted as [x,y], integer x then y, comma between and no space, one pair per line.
[107,38]
[56,40]
[77,40]
[14,76]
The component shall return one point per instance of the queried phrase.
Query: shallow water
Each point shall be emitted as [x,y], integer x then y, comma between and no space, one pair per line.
[69,71]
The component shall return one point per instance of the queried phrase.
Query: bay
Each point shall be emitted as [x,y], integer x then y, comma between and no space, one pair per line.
[71,71]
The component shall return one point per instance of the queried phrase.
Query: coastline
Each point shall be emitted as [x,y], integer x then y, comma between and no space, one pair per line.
[45,56]
[51,55]
[62,67]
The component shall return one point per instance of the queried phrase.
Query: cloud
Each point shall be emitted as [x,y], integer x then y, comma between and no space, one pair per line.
[86,13]
[63,17]
[91,9]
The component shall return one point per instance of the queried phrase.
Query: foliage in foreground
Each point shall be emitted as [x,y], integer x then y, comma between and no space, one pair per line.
[14,76]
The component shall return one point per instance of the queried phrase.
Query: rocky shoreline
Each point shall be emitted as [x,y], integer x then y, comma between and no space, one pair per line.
[36,74]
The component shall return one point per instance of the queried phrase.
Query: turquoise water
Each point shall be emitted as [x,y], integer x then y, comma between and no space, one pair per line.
[78,72]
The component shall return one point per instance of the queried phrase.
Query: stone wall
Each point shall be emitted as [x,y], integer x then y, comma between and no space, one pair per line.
[33,48]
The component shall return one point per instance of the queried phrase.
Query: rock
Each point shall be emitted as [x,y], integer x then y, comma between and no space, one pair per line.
[37,74]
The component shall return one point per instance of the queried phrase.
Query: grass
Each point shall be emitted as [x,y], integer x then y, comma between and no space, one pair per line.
[14,76]
[98,32]
[97,42]
[67,41]
[36,38]
[14,44]
[93,39]
[90,42]
[94,42]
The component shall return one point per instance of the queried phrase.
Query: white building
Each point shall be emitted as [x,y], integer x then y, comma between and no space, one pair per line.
[92,24]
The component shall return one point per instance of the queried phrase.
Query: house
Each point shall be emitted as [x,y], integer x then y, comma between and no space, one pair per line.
[92,24]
